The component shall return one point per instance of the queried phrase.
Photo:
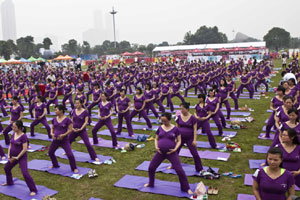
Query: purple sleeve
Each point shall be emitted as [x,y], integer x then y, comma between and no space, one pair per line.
[176,131]
[53,121]
[194,120]
[86,114]
[157,132]
[110,105]
[24,139]
[290,180]
[68,121]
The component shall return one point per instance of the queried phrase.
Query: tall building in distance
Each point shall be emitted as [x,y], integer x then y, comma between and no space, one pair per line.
[8,17]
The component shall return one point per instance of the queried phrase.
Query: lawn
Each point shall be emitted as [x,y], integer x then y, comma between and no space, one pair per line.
[102,187]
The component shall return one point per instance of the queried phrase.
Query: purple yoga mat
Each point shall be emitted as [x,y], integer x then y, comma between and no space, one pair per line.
[142,120]
[236,118]
[95,116]
[105,143]
[247,97]
[82,157]
[63,170]
[161,187]
[52,114]
[237,113]
[201,144]
[39,136]
[29,118]
[272,135]
[264,129]
[213,125]
[211,155]
[216,133]
[188,169]
[20,190]
[122,135]
[269,111]
[137,126]
[255,164]
[245,197]
[34,147]
[248,180]
[92,198]
[260,149]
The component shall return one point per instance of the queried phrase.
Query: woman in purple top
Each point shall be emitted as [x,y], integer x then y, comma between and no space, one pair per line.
[214,105]
[231,88]
[16,114]
[261,79]
[176,90]
[111,92]
[60,84]
[187,125]
[68,93]
[273,182]
[282,112]
[224,95]
[138,107]
[288,90]
[105,112]
[193,82]
[2,102]
[167,143]
[47,88]
[61,128]
[80,118]
[80,95]
[246,79]
[123,109]
[17,153]
[118,86]
[80,85]
[166,93]
[22,87]
[158,95]
[150,97]
[52,96]
[96,98]
[17,92]
[92,82]
[276,102]
[291,153]
[8,87]
[39,113]
[202,114]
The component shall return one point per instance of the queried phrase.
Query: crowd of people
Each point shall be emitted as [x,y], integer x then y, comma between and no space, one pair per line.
[150,84]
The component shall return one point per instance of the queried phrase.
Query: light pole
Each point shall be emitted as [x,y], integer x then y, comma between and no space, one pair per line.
[113,12]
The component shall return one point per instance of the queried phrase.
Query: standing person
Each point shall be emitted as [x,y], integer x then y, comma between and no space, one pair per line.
[78,63]
[39,113]
[187,126]
[96,98]
[166,93]
[111,92]
[150,96]
[8,87]
[273,181]
[52,96]
[202,114]
[261,79]
[176,90]
[123,109]
[61,128]
[167,142]
[17,153]
[22,88]
[2,102]
[68,93]
[80,118]
[275,103]
[158,95]
[246,82]
[105,112]
[193,83]
[224,95]
[231,88]
[138,107]
[16,114]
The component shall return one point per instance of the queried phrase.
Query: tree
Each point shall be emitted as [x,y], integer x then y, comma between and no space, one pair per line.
[163,44]
[26,47]
[150,48]
[71,48]
[205,35]
[295,43]
[277,38]
[142,48]
[86,48]
[47,43]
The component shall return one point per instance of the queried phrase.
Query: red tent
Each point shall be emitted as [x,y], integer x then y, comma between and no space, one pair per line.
[196,51]
[209,50]
[137,53]
[251,48]
[127,54]
[222,49]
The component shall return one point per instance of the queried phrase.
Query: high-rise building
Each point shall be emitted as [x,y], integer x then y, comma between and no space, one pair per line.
[8,20]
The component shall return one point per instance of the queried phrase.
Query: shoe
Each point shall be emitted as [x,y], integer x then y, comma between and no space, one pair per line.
[94,173]
[216,191]
[90,174]
[210,190]
[227,174]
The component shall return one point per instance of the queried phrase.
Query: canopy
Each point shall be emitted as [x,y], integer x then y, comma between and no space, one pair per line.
[60,57]
[67,57]
[40,59]
[137,53]
[2,60]
[24,60]
[31,59]
[127,54]
[13,61]
[196,51]
[222,49]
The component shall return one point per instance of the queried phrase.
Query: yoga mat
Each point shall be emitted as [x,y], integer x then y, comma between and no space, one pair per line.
[245,197]
[142,120]
[248,180]
[201,144]
[63,170]
[269,111]
[92,198]
[188,169]
[241,97]
[105,143]
[237,113]
[272,135]
[264,129]
[236,119]
[20,190]
[29,118]
[95,116]
[39,136]
[34,147]
[122,135]
[211,155]
[255,164]
[52,114]
[213,125]
[161,187]
[216,133]
[260,149]
[137,126]
[82,157]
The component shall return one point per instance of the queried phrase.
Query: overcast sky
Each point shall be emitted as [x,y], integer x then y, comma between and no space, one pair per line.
[145,21]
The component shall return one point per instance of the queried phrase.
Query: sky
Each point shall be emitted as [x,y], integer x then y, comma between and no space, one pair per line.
[155,21]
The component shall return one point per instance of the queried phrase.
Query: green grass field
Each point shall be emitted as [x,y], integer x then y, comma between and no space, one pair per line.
[102,187]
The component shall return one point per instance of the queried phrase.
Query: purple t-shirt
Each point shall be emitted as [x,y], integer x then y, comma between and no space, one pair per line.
[167,139]
[123,104]
[165,87]
[79,120]
[186,128]
[53,92]
[62,127]
[15,113]
[212,105]
[96,94]
[17,145]
[138,102]
[105,110]
[39,109]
